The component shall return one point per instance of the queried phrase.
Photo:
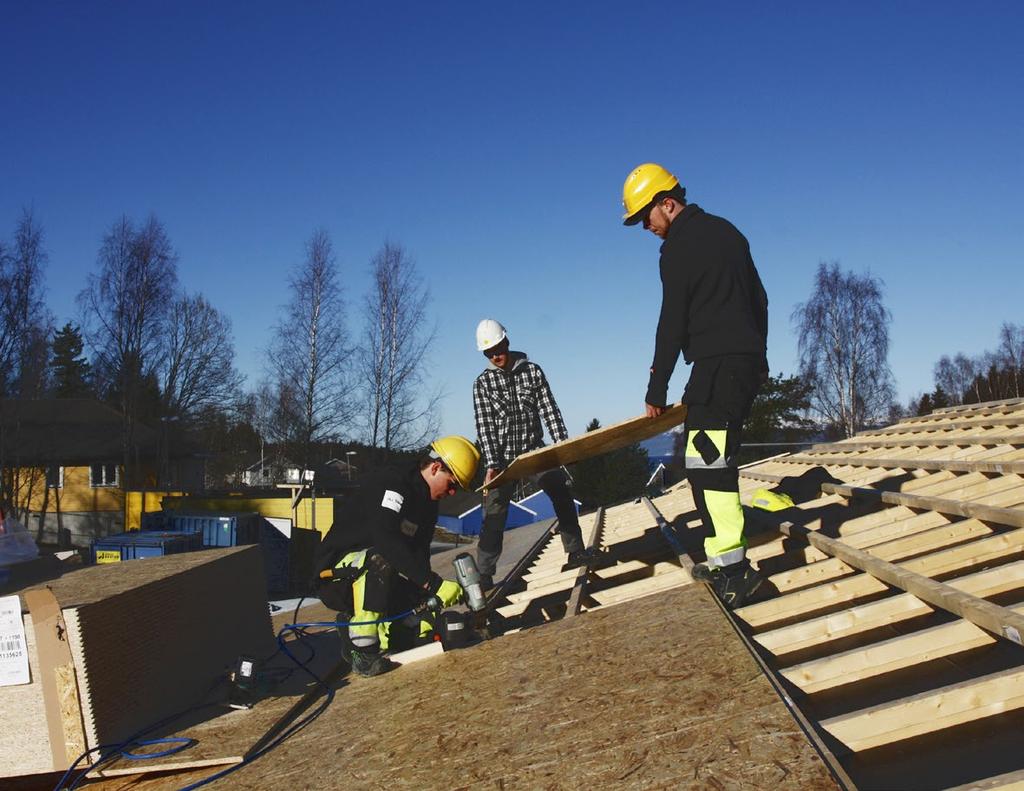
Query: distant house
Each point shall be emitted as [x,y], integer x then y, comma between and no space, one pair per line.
[62,466]
[271,472]
[336,475]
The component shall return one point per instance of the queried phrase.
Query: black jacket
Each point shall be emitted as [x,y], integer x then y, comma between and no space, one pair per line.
[391,512]
[712,302]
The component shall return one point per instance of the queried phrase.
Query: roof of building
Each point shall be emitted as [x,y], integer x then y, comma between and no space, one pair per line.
[885,652]
[65,431]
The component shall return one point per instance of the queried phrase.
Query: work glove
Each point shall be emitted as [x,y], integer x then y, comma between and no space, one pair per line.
[450,593]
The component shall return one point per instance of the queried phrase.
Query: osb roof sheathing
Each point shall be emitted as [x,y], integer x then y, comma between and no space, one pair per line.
[651,686]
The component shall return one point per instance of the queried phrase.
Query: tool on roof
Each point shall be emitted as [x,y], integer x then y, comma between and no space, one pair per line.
[468,576]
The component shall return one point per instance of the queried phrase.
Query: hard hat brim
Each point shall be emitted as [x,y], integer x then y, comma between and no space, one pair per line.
[636,217]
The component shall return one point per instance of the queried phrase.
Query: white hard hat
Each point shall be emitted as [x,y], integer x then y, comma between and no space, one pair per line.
[489,333]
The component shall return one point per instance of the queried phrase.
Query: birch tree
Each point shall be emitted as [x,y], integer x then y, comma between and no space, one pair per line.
[310,358]
[199,365]
[25,322]
[843,343]
[397,338]
[124,309]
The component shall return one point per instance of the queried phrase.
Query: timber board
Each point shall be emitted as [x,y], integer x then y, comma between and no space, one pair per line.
[622,698]
[593,443]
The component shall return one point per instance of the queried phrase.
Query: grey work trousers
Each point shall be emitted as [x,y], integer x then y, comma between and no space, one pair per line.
[555,484]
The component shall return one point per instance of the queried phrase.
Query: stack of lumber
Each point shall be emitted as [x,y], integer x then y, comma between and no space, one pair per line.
[115,648]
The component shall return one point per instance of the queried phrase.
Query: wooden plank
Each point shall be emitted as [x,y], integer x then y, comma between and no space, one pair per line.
[417,654]
[575,598]
[964,411]
[621,594]
[147,767]
[930,711]
[938,441]
[958,408]
[899,548]
[888,656]
[953,465]
[25,736]
[1007,516]
[866,617]
[592,443]
[948,425]
[998,620]
[809,600]
[58,679]
[214,599]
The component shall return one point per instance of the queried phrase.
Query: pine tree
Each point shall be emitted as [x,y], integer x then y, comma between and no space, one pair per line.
[71,371]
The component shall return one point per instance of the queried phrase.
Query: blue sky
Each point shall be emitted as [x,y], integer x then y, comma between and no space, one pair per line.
[491,141]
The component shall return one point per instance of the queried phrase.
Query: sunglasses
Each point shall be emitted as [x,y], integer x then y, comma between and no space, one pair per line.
[494,351]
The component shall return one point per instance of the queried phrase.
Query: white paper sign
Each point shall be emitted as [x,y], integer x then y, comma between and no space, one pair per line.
[13,647]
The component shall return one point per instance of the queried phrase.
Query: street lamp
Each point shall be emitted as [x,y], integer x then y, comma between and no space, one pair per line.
[348,462]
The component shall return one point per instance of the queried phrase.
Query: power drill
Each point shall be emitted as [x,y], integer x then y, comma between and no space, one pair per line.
[468,576]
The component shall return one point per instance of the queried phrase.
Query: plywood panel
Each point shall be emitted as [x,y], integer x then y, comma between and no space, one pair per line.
[593,443]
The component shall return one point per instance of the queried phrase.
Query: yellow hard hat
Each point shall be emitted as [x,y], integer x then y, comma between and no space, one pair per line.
[460,456]
[642,184]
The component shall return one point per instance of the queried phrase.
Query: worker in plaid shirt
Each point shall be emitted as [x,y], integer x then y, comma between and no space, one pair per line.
[510,398]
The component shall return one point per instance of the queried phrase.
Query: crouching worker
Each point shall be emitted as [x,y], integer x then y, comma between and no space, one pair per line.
[375,561]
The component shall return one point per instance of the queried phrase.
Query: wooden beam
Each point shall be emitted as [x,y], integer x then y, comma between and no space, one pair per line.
[937,441]
[974,409]
[1007,516]
[865,617]
[575,598]
[948,425]
[993,549]
[929,711]
[952,465]
[958,408]
[928,541]
[888,656]
[620,594]
[998,620]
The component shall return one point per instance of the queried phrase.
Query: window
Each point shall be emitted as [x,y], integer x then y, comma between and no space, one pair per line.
[103,475]
[54,477]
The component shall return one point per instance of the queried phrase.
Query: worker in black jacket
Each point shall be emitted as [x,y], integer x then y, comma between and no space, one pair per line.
[375,560]
[715,311]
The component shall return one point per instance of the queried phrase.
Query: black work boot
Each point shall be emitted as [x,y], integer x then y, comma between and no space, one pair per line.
[734,584]
[592,558]
[370,663]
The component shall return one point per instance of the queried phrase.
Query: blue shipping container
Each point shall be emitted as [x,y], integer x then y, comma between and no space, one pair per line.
[218,530]
[137,544]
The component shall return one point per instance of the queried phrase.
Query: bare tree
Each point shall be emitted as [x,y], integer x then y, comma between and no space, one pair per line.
[844,347]
[198,371]
[309,358]
[124,309]
[954,376]
[25,322]
[1011,356]
[396,338]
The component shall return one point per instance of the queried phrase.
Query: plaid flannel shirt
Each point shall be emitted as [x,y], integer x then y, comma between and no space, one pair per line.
[509,407]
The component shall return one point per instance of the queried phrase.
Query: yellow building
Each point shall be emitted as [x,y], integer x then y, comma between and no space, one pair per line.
[61,472]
